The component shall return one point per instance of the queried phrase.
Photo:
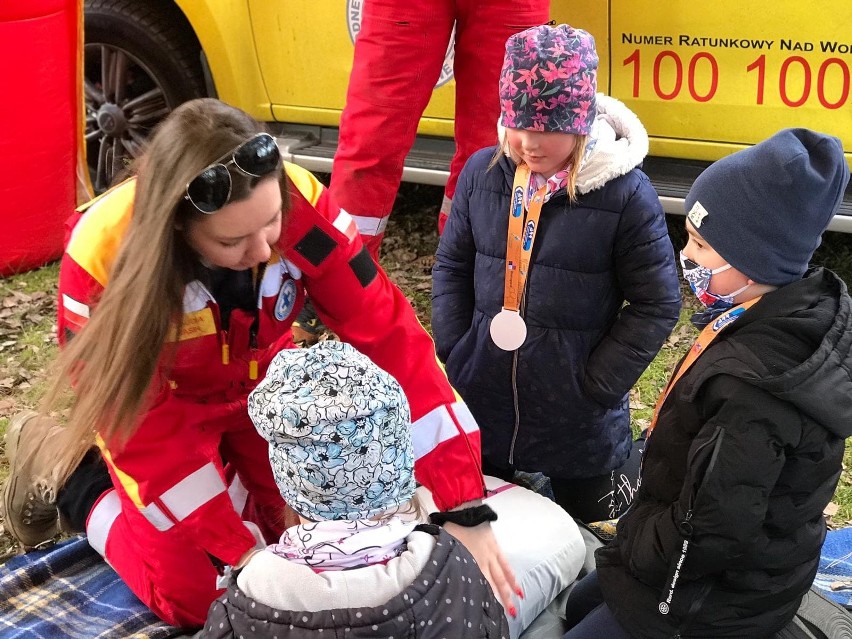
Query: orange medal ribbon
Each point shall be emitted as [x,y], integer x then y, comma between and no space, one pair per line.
[710,332]
[508,329]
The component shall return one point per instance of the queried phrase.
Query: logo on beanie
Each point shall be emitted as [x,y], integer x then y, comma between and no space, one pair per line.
[697,214]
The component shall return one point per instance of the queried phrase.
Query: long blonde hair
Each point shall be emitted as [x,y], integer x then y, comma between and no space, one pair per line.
[114,362]
[576,160]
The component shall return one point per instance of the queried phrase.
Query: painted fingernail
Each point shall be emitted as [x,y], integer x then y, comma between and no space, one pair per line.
[520,593]
[512,611]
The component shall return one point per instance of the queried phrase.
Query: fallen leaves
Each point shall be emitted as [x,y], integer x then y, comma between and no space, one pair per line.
[829,512]
[26,329]
[681,337]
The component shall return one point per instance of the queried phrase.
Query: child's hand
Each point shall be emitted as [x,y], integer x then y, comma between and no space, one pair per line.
[482,544]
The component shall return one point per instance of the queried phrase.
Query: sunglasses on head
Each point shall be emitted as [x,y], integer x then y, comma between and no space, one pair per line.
[210,190]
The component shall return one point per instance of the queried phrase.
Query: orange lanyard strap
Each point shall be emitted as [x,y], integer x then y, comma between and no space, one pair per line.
[710,332]
[523,226]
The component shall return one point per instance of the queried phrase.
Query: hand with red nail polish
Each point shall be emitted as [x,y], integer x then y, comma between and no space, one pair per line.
[481,543]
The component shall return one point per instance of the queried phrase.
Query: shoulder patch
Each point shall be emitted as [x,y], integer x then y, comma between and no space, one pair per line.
[315,246]
[364,267]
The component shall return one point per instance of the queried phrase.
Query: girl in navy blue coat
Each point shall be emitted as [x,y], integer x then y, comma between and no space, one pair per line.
[555,282]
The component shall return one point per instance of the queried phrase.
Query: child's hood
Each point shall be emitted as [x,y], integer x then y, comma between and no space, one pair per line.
[619,144]
[821,385]
[444,571]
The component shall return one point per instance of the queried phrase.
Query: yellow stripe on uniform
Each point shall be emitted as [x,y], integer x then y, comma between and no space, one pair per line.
[309,186]
[97,236]
[127,482]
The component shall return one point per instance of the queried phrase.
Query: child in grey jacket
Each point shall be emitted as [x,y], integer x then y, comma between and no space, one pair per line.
[339,437]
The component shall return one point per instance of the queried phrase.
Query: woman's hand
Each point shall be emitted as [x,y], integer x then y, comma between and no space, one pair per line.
[482,544]
[259,544]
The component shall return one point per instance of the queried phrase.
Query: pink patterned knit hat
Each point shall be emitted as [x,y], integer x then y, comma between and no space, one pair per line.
[549,80]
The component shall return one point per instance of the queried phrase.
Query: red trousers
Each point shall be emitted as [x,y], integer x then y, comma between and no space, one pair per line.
[165,565]
[399,53]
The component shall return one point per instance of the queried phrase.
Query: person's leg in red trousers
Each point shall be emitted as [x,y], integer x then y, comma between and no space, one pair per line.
[482,28]
[399,53]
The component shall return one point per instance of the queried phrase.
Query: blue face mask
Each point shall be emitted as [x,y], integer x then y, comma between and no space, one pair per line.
[698,278]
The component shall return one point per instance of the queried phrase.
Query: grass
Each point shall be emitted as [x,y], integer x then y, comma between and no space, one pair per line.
[27,327]
[28,340]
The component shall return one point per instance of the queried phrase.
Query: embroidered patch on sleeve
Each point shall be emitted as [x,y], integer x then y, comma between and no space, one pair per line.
[364,267]
[315,246]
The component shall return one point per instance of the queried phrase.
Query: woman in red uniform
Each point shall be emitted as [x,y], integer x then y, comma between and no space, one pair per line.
[177,288]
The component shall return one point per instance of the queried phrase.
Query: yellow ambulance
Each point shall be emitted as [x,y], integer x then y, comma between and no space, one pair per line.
[705,78]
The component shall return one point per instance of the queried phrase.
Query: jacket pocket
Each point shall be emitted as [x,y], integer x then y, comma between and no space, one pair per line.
[459,358]
[685,599]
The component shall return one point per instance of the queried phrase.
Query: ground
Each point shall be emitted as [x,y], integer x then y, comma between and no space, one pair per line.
[28,336]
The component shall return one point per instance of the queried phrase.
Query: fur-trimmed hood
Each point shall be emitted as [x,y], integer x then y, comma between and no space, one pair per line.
[618,143]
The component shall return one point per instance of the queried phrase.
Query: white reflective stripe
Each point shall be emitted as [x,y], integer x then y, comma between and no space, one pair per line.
[343,221]
[438,426]
[238,494]
[371,225]
[101,519]
[157,517]
[446,205]
[195,297]
[74,306]
[271,282]
[193,491]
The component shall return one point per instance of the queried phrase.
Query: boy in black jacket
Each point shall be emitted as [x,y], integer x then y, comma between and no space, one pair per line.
[724,536]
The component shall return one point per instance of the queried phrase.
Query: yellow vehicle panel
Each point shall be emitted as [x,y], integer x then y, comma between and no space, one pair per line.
[726,74]
[305,51]
[224,30]
[705,79]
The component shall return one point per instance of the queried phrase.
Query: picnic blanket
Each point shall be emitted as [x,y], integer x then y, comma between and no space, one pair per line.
[835,567]
[68,591]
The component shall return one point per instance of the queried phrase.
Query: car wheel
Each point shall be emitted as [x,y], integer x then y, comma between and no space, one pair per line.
[141,61]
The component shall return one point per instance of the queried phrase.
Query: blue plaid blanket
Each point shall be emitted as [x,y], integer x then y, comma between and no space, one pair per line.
[835,567]
[68,591]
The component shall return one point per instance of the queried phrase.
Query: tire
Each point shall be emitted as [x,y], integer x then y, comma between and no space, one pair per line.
[141,61]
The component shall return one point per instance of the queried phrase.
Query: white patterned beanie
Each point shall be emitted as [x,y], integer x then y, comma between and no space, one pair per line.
[339,432]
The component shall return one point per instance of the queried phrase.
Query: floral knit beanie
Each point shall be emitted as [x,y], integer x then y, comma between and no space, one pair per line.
[549,80]
[339,432]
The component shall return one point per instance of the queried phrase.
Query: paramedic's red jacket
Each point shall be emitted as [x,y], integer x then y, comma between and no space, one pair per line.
[321,253]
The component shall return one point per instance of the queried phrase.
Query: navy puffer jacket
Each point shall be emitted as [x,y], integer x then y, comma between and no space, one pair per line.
[559,404]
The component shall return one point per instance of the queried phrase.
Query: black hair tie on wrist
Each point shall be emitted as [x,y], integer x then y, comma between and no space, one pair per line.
[467,517]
